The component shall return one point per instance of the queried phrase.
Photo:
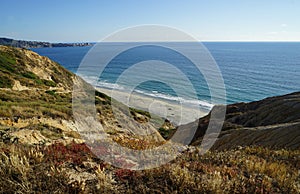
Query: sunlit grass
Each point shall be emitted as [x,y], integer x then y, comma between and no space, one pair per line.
[244,170]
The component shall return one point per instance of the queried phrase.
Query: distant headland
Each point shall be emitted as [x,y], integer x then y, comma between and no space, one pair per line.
[37,44]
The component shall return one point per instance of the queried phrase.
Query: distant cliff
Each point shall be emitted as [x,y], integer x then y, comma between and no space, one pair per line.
[37,44]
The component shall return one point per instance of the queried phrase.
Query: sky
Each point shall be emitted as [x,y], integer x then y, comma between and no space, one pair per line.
[206,20]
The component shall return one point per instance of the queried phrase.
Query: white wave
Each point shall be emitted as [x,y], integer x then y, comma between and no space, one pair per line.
[155,94]
[90,79]
[94,81]
[110,85]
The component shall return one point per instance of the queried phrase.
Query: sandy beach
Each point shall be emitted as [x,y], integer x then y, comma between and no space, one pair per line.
[176,112]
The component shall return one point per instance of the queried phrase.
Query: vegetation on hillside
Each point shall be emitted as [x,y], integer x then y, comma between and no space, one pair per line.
[74,169]
[38,107]
[13,68]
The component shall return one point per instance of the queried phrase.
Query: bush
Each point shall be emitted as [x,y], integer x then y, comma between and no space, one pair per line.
[5,81]
[29,75]
[51,92]
[49,83]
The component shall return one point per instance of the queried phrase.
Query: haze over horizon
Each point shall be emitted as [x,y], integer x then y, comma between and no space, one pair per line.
[78,21]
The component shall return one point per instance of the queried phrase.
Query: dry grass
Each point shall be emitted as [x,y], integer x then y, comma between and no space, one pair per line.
[28,104]
[28,169]
[23,170]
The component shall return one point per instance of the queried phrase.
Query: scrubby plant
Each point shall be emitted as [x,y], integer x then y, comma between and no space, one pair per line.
[105,181]
[59,153]
[43,168]
[23,170]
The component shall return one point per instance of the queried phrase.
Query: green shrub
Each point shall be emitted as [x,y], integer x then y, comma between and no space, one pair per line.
[51,92]
[5,81]
[7,62]
[49,83]
[166,133]
[29,75]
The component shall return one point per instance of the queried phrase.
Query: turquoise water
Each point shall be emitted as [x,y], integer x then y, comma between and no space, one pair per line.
[251,70]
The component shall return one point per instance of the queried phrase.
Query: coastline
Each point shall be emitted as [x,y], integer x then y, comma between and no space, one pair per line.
[39,44]
[177,113]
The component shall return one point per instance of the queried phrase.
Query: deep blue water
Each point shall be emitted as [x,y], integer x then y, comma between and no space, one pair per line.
[251,70]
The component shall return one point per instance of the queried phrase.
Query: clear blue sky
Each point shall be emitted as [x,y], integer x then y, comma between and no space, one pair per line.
[91,20]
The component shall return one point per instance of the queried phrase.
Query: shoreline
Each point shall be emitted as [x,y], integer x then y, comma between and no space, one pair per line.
[174,111]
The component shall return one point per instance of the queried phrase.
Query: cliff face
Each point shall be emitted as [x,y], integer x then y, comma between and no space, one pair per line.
[24,68]
[36,102]
[35,98]
[273,122]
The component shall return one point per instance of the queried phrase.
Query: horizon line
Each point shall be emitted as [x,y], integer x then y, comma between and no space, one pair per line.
[197,40]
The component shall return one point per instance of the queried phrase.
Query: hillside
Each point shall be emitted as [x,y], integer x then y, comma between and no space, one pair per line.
[41,150]
[272,122]
[37,91]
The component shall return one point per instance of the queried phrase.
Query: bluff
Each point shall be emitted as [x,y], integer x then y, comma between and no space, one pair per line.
[36,102]
[272,122]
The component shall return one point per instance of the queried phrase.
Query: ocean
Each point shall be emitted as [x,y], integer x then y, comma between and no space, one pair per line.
[251,70]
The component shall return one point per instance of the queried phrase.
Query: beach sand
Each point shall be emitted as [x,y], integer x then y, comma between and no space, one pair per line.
[175,112]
